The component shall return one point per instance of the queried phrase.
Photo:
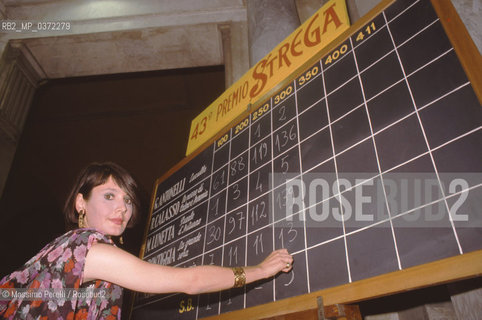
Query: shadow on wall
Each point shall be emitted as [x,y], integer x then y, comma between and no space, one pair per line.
[141,121]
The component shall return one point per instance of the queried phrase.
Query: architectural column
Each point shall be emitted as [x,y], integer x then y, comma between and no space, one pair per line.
[225,30]
[307,8]
[234,37]
[19,77]
[269,23]
[468,305]
[466,297]
[356,8]
[3,11]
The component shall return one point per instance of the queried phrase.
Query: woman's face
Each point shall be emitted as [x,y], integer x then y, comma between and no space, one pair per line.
[108,208]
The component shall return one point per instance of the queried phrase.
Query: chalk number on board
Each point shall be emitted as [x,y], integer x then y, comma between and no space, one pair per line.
[308,75]
[291,235]
[365,32]
[258,113]
[283,94]
[222,140]
[336,54]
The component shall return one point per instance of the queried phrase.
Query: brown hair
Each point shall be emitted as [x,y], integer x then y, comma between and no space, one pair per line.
[94,175]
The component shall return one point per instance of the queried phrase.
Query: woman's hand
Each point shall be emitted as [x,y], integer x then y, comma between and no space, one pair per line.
[278,260]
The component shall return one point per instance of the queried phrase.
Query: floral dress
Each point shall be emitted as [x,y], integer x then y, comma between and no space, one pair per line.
[59,265]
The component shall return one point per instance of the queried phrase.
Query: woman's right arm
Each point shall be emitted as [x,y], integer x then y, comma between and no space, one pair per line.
[109,263]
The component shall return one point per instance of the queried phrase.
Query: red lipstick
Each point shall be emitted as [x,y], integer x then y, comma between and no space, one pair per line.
[117,221]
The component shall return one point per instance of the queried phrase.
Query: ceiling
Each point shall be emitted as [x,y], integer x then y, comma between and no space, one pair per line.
[119,36]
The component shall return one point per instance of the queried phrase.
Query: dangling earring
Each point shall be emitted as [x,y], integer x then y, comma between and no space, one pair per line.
[81,221]
[121,240]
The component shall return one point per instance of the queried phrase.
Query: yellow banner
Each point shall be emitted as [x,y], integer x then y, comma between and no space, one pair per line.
[307,40]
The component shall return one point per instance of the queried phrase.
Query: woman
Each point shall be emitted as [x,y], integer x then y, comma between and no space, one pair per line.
[103,203]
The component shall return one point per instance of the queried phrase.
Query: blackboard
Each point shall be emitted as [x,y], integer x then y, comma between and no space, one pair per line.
[367,162]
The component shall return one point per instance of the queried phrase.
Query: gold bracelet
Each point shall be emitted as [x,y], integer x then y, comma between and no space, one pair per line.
[239,277]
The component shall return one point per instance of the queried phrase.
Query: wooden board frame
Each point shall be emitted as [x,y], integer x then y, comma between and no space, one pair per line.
[465,266]
[451,269]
